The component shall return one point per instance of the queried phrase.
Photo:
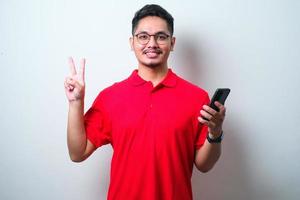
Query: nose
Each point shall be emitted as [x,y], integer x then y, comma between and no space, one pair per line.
[152,42]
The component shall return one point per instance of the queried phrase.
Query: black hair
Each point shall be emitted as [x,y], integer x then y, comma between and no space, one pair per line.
[153,10]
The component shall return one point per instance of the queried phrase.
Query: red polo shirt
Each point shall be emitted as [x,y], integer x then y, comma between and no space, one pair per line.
[154,132]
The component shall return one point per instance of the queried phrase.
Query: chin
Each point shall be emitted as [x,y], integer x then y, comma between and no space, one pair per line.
[152,65]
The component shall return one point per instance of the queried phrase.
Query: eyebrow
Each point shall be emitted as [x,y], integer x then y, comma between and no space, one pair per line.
[159,32]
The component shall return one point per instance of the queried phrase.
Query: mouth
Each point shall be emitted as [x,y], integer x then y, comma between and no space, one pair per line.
[152,53]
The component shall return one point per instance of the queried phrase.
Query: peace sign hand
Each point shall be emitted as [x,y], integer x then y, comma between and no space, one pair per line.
[74,84]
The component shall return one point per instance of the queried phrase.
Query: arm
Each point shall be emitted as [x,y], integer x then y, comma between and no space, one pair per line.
[207,156]
[79,147]
[209,153]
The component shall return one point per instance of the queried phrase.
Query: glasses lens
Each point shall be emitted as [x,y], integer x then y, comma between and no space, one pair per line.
[143,38]
[160,38]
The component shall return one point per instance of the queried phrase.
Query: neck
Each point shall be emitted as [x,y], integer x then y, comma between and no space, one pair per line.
[155,74]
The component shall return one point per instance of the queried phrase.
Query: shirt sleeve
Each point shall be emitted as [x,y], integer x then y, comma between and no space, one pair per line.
[202,130]
[97,124]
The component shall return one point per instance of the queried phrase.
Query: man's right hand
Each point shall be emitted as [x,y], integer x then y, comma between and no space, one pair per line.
[74,83]
[79,146]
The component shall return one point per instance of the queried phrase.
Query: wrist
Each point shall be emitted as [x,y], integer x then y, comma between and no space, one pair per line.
[213,138]
[76,104]
[214,135]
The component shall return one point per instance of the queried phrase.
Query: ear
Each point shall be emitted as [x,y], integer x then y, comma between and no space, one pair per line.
[131,43]
[173,43]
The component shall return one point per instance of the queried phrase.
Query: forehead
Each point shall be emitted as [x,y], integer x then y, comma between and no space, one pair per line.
[152,24]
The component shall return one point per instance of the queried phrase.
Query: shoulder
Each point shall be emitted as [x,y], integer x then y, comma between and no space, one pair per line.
[113,91]
[191,89]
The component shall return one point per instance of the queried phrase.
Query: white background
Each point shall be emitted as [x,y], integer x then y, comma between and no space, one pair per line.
[251,47]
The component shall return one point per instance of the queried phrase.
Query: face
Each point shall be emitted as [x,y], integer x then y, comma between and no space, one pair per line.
[154,53]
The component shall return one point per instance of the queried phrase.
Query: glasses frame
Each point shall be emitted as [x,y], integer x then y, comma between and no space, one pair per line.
[155,37]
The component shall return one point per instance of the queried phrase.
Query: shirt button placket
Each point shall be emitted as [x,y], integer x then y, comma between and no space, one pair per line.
[151,99]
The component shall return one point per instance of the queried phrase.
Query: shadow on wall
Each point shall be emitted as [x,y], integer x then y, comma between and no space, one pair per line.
[190,60]
[230,178]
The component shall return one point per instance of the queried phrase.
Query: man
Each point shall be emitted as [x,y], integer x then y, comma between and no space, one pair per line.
[158,124]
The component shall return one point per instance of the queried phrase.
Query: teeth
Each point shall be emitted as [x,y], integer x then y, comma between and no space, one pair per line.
[152,52]
[157,52]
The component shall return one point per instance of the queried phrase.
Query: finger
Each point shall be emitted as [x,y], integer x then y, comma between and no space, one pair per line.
[70,82]
[210,123]
[74,84]
[221,107]
[68,87]
[203,121]
[209,110]
[82,68]
[71,88]
[206,115]
[72,66]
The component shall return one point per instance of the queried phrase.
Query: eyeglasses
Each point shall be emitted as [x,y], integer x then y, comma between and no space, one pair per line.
[144,38]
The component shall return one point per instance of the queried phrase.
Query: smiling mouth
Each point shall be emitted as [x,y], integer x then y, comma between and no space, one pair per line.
[152,53]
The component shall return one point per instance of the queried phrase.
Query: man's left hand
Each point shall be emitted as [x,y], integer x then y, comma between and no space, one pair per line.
[213,119]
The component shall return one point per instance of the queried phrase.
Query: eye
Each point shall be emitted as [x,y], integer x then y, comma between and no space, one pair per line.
[162,37]
[143,37]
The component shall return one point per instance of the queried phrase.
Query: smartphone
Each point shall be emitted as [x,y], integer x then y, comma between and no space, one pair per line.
[220,95]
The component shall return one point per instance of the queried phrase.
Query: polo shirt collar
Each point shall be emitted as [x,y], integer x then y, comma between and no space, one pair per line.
[169,81]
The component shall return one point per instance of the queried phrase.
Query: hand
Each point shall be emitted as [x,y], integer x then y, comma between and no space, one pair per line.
[74,84]
[213,119]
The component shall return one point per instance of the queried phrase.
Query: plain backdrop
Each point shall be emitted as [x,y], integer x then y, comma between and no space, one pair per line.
[251,47]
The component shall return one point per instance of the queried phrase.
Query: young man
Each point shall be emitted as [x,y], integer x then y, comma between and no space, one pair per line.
[158,124]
